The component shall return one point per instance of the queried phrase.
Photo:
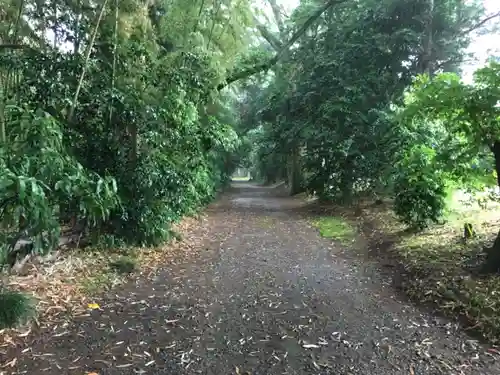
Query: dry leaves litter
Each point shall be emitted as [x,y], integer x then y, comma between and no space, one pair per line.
[58,286]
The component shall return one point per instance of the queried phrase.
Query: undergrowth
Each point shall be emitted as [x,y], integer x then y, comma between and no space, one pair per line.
[336,228]
[15,308]
[124,265]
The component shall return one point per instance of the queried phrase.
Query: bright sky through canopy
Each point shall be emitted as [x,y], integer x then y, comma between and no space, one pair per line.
[481,46]
[485,45]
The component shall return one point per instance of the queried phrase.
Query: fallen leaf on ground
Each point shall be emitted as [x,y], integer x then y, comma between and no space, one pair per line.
[11,363]
[93,306]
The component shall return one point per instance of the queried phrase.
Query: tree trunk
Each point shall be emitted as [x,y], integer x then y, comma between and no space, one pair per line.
[86,62]
[492,263]
[294,171]
[426,64]
[347,181]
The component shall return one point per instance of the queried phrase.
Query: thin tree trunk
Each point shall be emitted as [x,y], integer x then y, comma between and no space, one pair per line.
[492,262]
[54,9]
[427,55]
[200,11]
[76,31]
[294,178]
[113,72]
[86,61]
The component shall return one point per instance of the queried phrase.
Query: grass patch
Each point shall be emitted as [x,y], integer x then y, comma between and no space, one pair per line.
[335,228]
[16,308]
[123,263]
[102,281]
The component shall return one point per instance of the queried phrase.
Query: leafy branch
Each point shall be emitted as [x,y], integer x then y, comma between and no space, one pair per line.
[262,67]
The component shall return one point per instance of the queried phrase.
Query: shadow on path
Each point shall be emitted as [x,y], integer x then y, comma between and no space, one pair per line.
[263,295]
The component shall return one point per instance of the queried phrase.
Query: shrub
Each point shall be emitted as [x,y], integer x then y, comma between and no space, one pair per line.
[15,308]
[420,189]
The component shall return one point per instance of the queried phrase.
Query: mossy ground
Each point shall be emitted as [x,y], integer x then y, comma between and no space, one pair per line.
[336,228]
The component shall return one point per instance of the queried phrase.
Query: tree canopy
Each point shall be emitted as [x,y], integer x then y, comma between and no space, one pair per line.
[123,116]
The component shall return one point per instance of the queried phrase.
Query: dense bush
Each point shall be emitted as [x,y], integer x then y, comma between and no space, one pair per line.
[38,178]
[354,110]
[419,189]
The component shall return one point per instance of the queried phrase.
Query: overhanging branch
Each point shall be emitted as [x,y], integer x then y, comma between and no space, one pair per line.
[269,37]
[267,65]
[480,23]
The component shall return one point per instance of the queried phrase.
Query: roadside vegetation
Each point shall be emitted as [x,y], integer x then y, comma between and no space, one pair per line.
[443,265]
[336,228]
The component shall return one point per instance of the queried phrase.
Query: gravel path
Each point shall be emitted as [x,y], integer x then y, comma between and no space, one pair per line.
[265,295]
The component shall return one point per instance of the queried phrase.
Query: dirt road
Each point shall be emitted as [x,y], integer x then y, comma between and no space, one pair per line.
[265,295]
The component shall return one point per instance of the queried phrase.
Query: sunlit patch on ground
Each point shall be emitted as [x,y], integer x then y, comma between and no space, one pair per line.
[240,179]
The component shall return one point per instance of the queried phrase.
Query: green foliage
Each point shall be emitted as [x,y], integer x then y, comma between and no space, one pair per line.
[254,57]
[38,178]
[332,95]
[470,116]
[148,141]
[469,112]
[467,116]
[341,100]
[419,188]
[15,308]
[108,241]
